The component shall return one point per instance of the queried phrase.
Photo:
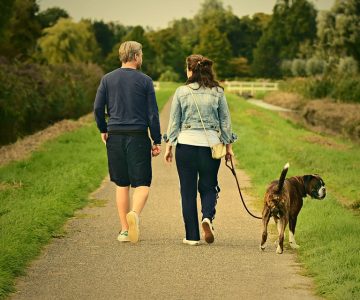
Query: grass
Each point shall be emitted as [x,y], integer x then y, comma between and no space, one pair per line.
[55,181]
[167,89]
[39,194]
[328,232]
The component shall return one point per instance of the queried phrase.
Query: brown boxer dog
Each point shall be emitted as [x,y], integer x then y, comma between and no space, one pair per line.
[283,201]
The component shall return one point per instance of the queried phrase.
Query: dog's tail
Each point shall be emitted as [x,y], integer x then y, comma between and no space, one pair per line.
[282,178]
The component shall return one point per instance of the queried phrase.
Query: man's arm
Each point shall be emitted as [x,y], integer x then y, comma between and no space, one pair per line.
[99,107]
[154,123]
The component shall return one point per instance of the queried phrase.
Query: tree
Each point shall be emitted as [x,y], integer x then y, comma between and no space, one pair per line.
[244,33]
[215,46]
[169,51]
[6,7]
[50,16]
[68,42]
[292,25]
[105,37]
[21,30]
[339,32]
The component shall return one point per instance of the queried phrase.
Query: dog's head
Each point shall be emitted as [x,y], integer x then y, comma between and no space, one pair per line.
[314,186]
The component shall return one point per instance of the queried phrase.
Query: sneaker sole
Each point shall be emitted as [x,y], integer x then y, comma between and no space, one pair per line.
[191,243]
[209,236]
[133,228]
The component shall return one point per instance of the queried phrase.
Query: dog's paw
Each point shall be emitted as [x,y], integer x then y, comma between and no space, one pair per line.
[262,247]
[279,250]
[276,243]
[294,245]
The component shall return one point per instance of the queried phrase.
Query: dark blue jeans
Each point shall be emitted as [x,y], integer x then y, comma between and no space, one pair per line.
[197,171]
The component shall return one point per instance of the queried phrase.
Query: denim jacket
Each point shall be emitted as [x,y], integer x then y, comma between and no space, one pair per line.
[213,109]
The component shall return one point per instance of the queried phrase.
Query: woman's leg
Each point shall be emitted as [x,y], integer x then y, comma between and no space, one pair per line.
[208,182]
[186,164]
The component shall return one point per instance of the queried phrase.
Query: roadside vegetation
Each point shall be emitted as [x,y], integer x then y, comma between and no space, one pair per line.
[329,230]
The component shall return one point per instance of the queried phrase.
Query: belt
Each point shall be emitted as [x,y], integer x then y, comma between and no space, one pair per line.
[129,132]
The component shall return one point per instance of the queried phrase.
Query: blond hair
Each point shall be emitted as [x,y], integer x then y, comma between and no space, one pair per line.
[128,50]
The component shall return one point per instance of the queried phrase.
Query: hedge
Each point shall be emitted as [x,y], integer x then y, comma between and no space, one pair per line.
[34,96]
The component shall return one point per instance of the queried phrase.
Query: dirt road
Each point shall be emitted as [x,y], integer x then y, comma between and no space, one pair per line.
[89,263]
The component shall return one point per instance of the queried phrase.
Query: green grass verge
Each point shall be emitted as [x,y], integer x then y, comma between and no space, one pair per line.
[39,194]
[166,90]
[329,233]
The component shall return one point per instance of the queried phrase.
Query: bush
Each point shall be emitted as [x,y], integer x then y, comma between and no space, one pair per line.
[347,66]
[33,96]
[347,89]
[341,88]
[286,67]
[169,75]
[298,67]
[315,66]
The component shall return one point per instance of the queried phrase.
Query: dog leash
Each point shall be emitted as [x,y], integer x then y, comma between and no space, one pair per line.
[232,169]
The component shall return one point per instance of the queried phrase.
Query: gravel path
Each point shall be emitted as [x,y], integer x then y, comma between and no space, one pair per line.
[89,263]
[269,106]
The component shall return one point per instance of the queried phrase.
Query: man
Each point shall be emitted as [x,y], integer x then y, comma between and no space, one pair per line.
[129,98]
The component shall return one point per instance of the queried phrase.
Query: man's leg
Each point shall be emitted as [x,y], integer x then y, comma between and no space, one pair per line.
[122,201]
[140,196]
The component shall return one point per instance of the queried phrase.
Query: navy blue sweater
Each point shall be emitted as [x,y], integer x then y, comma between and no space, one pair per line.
[129,98]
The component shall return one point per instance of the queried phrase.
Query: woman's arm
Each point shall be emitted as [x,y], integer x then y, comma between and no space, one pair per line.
[226,134]
[174,121]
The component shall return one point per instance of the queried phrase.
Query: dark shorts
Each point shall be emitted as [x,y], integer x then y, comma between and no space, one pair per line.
[129,159]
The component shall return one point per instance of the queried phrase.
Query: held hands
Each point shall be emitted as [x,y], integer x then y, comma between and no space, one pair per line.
[155,150]
[168,154]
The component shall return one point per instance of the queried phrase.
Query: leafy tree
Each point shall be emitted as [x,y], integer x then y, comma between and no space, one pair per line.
[20,33]
[186,32]
[68,42]
[293,23]
[215,46]
[169,51]
[6,7]
[50,16]
[338,31]
[244,34]
[105,37]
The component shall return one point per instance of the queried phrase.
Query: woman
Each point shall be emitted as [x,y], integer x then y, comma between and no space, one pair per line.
[196,168]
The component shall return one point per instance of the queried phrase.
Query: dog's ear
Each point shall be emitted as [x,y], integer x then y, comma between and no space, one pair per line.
[307,179]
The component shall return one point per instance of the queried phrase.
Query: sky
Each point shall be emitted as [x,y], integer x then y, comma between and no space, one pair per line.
[156,13]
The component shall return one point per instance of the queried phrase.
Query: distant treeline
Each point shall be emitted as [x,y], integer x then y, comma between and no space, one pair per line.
[294,41]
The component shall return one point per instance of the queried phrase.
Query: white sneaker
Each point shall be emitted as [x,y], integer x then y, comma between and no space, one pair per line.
[190,242]
[123,236]
[133,221]
[208,230]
